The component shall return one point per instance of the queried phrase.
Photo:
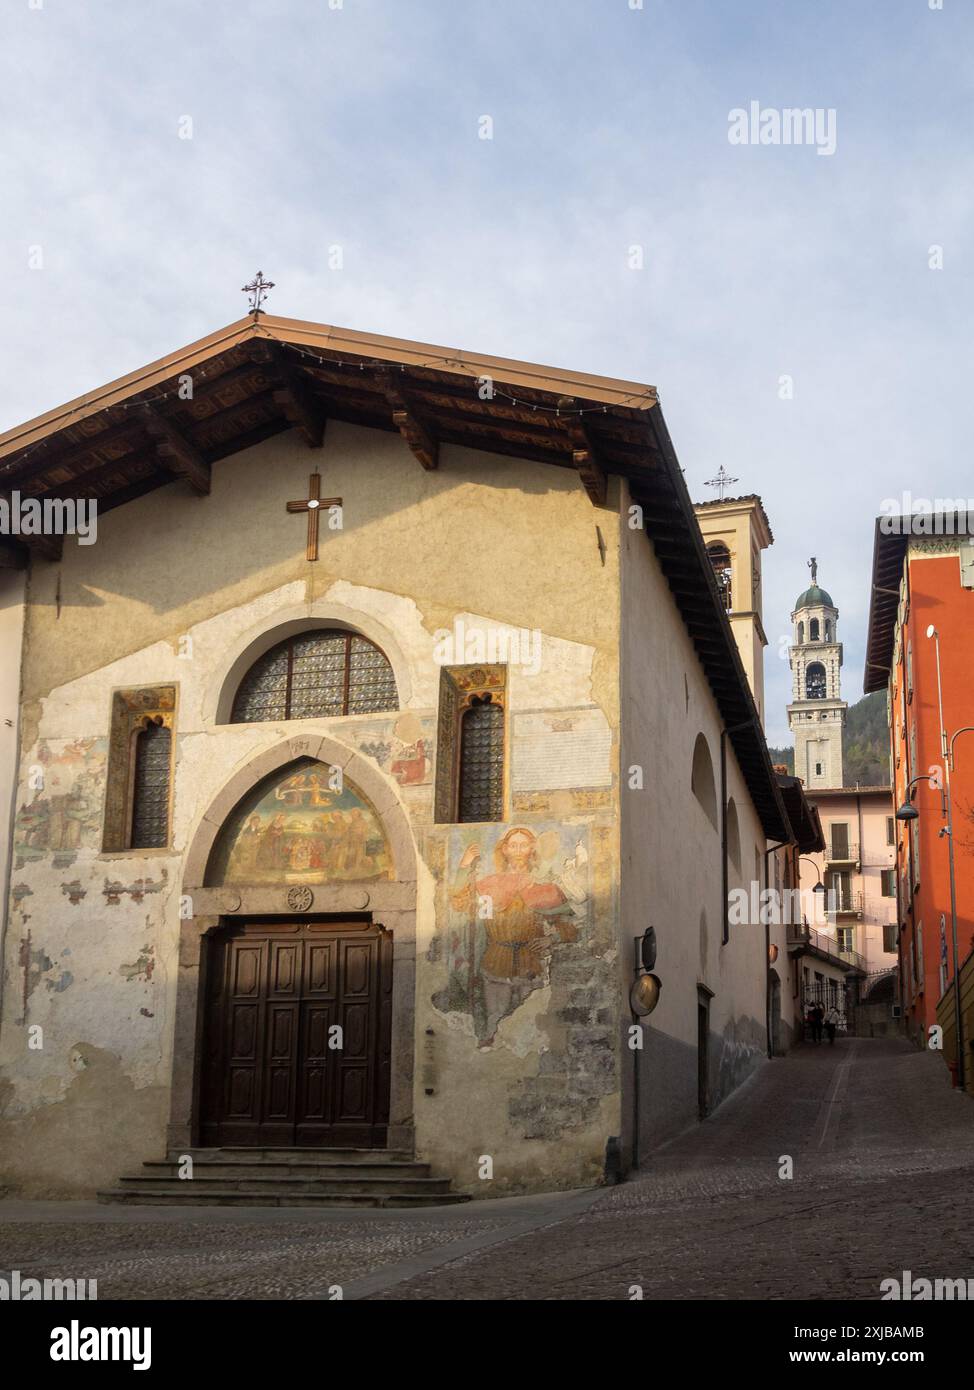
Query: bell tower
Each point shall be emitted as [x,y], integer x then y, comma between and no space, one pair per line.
[816,715]
[735,532]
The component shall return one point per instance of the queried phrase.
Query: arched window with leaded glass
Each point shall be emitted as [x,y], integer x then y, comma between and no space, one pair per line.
[150,786]
[322,674]
[481,785]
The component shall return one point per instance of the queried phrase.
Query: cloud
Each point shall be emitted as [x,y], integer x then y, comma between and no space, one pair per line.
[357,127]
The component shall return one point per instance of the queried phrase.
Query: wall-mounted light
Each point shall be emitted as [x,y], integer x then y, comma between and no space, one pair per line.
[644,995]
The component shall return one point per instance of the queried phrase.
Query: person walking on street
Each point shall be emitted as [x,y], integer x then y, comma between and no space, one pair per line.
[831,1023]
[818,1014]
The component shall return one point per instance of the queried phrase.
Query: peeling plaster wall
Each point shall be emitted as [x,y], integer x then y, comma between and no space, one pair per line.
[175,591]
[13,587]
[671,865]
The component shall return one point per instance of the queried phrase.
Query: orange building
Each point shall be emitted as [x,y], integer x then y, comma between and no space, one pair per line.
[922,602]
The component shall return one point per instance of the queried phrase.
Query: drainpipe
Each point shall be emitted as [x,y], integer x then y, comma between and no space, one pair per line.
[725,911]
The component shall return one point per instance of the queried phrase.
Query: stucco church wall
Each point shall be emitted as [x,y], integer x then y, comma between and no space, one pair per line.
[177,591]
[671,865]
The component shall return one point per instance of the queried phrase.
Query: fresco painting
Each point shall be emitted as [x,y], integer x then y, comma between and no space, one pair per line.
[303,831]
[403,747]
[63,814]
[515,894]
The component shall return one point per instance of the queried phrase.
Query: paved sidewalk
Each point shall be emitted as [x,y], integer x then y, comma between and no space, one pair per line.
[883,1181]
[257,1252]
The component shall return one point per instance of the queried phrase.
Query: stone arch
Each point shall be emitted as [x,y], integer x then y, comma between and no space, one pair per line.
[816,681]
[321,748]
[284,623]
[702,779]
[205,910]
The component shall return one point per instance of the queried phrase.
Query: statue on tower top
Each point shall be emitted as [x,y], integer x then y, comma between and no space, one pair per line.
[813,566]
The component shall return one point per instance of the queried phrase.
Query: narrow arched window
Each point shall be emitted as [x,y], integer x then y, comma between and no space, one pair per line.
[326,673]
[733,835]
[720,559]
[150,787]
[702,779]
[480,795]
[813,630]
[801,633]
[828,630]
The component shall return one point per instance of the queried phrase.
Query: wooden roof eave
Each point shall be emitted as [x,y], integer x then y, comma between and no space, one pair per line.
[663,491]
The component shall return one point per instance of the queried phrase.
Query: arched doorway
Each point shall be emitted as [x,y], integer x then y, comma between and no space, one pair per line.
[295,997]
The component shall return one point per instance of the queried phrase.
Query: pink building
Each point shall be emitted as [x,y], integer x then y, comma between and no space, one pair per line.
[858,869]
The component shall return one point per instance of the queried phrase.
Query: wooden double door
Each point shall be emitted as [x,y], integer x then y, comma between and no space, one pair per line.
[297,1035]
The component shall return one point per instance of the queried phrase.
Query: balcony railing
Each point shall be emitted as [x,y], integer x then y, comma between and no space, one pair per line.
[801,937]
[842,853]
[841,902]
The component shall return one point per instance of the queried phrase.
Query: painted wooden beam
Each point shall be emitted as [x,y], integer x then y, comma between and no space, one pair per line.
[293,394]
[177,454]
[415,430]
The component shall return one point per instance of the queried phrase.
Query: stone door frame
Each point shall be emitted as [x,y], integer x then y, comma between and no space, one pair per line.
[391,904]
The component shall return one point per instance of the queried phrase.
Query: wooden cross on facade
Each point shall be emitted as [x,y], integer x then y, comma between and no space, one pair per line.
[313,504]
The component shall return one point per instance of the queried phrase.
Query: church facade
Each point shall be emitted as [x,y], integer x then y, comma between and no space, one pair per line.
[392,704]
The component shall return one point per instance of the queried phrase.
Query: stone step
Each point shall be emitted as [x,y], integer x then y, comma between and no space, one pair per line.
[268,1168]
[228,1197]
[256,1183]
[294,1155]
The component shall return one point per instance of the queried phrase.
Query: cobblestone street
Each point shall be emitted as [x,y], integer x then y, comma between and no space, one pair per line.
[883,1181]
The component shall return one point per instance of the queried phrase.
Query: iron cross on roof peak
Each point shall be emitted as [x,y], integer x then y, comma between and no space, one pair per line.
[721,481]
[257,289]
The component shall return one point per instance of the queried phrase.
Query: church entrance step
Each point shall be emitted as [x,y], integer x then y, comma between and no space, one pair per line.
[223,1197]
[256,1183]
[285,1177]
[294,1155]
[241,1167]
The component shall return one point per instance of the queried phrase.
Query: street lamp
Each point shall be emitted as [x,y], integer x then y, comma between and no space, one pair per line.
[820,886]
[908,812]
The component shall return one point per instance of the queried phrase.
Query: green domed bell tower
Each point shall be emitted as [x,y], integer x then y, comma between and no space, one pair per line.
[817,712]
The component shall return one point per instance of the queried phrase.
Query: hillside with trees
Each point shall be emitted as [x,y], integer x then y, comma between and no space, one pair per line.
[865,749]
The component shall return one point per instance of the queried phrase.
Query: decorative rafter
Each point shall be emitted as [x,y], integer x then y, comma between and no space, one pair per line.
[295,397]
[585,453]
[177,454]
[410,425]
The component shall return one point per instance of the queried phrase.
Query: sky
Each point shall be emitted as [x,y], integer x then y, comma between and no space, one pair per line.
[154,157]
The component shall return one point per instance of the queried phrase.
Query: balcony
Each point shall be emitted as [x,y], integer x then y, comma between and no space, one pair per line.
[803,940]
[843,902]
[842,853]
